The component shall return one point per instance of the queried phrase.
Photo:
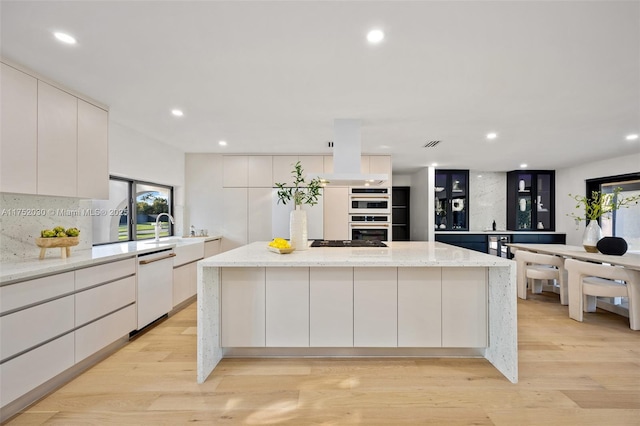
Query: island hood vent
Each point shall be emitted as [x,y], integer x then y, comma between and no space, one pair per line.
[346,158]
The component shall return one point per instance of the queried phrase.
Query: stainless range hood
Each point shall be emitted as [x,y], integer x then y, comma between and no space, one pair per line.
[346,158]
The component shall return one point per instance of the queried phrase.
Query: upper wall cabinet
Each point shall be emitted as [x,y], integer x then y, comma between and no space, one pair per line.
[246,171]
[531,200]
[19,131]
[452,200]
[53,143]
[57,141]
[283,166]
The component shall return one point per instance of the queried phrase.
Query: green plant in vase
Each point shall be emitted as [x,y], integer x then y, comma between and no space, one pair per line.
[302,192]
[594,207]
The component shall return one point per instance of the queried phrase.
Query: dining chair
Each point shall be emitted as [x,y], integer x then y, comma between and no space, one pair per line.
[532,268]
[588,280]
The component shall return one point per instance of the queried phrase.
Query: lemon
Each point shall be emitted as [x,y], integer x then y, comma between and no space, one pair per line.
[279,243]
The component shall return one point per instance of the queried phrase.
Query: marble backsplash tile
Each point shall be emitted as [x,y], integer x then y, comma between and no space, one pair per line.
[22,217]
[488,202]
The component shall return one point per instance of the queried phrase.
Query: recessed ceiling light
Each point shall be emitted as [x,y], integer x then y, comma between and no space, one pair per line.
[177,112]
[222,143]
[632,137]
[65,38]
[523,166]
[434,164]
[479,176]
[492,135]
[375,36]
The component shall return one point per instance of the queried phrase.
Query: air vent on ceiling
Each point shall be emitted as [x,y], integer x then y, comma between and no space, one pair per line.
[431,144]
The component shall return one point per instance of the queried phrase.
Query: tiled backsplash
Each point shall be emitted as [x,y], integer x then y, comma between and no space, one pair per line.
[488,191]
[22,217]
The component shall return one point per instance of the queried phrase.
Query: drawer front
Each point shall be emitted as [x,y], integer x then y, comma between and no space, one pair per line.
[98,301]
[188,253]
[14,296]
[211,248]
[95,336]
[104,273]
[30,327]
[23,373]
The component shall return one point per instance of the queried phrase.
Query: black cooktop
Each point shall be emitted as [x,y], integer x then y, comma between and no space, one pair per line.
[347,243]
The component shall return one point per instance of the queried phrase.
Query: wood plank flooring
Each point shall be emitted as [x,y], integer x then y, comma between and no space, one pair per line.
[570,374]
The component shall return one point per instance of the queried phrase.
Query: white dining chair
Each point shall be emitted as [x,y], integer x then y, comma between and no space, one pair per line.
[588,280]
[533,268]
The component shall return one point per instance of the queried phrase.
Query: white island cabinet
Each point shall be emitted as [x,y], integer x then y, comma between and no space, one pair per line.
[407,299]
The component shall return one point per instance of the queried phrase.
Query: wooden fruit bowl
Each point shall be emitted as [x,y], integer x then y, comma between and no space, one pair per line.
[64,243]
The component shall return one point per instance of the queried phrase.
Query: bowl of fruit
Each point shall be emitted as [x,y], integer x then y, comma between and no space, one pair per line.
[58,237]
[280,245]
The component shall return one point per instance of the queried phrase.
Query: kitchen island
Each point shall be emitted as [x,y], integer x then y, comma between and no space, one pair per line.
[418,299]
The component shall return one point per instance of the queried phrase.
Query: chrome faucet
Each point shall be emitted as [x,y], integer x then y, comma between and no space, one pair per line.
[158,224]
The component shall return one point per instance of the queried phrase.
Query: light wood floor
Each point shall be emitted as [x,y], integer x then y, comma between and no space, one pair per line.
[570,374]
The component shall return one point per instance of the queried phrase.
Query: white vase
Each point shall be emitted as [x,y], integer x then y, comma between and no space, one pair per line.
[298,229]
[521,185]
[592,234]
[523,204]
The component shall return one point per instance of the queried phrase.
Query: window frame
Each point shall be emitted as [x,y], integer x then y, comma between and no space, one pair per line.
[131,207]
[596,185]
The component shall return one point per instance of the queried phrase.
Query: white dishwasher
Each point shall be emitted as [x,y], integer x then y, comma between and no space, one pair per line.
[155,285]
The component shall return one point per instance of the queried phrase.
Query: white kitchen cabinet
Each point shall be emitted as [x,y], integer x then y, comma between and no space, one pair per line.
[242,311]
[235,171]
[464,307]
[93,152]
[105,299]
[312,163]
[24,329]
[259,202]
[93,275]
[22,374]
[19,295]
[188,253]
[331,307]
[234,218]
[327,161]
[283,165]
[375,307]
[211,248]
[99,334]
[185,282]
[336,213]
[57,141]
[18,131]
[260,171]
[287,307]
[419,308]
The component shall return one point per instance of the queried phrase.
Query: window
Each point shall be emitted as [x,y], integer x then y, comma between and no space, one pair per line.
[624,222]
[146,199]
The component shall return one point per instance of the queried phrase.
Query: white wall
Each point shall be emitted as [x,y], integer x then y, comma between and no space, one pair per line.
[136,156]
[572,180]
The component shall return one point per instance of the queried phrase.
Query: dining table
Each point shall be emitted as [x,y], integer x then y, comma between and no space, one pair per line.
[629,260]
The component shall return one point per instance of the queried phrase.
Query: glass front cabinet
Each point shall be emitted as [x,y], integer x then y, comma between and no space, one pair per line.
[531,200]
[452,200]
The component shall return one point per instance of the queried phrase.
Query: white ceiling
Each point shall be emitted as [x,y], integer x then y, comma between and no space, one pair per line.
[559,81]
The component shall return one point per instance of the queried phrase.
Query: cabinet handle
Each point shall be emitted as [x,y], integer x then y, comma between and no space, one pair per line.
[146,262]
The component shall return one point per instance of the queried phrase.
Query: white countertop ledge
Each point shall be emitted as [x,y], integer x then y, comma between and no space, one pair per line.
[401,253]
[29,268]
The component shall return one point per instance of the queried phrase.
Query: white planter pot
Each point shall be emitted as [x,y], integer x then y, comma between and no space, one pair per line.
[298,229]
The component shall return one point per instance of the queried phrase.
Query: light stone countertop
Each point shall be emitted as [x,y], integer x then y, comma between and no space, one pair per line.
[34,267]
[498,231]
[401,253]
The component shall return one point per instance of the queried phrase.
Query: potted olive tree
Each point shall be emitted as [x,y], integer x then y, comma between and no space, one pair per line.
[302,192]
